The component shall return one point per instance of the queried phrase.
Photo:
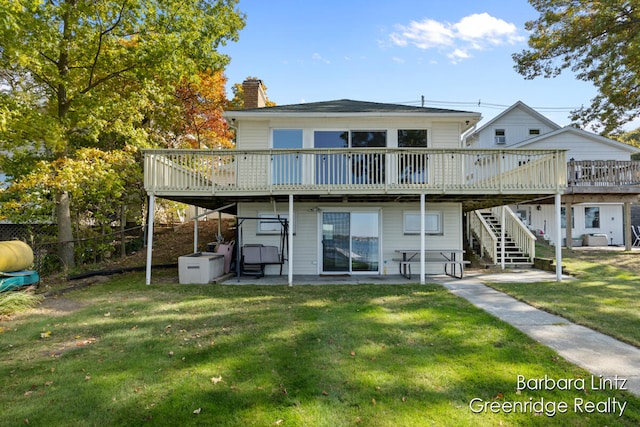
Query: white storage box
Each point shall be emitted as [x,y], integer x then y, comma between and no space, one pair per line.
[200,267]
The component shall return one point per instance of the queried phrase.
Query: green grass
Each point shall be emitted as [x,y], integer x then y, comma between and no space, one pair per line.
[371,355]
[605,296]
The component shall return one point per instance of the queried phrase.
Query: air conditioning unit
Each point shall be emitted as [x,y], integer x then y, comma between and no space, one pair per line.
[501,140]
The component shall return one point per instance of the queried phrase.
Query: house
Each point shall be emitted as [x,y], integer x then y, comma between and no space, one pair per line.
[602,180]
[356,181]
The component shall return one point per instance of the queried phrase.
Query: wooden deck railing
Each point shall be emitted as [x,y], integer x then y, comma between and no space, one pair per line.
[603,173]
[318,171]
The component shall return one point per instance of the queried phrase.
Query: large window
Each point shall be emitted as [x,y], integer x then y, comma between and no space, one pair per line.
[287,168]
[563,218]
[413,167]
[592,217]
[432,222]
[338,168]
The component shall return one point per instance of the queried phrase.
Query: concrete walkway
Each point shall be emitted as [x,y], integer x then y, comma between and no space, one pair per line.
[597,353]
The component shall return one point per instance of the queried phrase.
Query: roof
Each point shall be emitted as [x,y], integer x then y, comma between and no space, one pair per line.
[521,105]
[351,106]
[345,107]
[581,133]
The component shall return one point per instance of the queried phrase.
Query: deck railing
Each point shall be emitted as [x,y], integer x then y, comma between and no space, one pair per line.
[209,172]
[603,173]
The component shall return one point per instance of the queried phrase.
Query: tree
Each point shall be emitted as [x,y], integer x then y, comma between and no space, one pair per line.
[202,103]
[600,42]
[237,102]
[78,73]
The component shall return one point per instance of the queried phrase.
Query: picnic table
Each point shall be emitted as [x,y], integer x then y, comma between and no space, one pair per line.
[450,258]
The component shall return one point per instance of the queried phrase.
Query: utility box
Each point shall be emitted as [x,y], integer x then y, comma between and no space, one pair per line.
[200,267]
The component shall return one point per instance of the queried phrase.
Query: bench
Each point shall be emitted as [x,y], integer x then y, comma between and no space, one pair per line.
[256,256]
[447,257]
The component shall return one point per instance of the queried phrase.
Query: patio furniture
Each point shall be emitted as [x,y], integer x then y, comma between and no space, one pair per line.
[635,229]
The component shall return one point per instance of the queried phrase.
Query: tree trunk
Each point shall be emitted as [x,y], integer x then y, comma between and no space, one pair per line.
[65,232]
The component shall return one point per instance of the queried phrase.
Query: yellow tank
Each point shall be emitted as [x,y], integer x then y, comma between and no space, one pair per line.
[15,256]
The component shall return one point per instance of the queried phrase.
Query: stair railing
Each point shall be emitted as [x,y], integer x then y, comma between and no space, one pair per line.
[486,237]
[520,235]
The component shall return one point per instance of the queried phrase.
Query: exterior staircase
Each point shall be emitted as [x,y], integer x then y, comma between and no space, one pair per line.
[486,239]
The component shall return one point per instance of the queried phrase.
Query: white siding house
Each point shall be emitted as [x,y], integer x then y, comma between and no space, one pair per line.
[353,178]
[602,179]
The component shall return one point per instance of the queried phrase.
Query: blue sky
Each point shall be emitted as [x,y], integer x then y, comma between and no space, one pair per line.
[457,54]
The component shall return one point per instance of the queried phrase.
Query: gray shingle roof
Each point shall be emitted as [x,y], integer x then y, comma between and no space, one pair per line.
[351,106]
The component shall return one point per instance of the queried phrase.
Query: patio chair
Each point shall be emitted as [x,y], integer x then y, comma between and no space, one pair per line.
[636,235]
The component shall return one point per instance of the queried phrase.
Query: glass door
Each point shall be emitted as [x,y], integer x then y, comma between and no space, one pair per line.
[335,241]
[350,242]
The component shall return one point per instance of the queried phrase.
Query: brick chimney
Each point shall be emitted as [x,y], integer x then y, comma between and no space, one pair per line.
[254,96]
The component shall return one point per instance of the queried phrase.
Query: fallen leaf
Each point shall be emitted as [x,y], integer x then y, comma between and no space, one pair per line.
[216,380]
[353,353]
[325,393]
[107,314]
[197,411]
[404,398]
[46,334]
[373,402]
[171,353]
[87,377]
[277,423]
[28,393]
[48,383]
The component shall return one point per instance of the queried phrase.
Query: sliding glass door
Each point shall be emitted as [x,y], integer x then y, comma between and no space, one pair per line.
[350,242]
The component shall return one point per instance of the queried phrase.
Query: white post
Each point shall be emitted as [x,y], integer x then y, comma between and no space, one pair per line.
[502,236]
[152,207]
[290,240]
[422,244]
[558,238]
[195,231]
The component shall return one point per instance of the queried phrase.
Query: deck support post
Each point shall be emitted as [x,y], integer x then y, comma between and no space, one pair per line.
[568,235]
[502,236]
[626,224]
[290,242]
[195,231]
[557,202]
[422,243]
[152,207]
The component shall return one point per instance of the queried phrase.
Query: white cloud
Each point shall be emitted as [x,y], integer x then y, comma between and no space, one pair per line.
[472,33]
[318,57]
[398,60]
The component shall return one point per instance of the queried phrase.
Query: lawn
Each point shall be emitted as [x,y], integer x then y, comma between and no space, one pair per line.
[122,353]
[605,296]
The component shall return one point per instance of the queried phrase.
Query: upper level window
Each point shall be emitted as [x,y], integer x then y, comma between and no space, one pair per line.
[500,137]
[534,132]
[412,138]
[413,166]
[287,168]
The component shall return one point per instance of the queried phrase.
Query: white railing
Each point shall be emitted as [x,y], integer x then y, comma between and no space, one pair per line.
[353,170]
[487,239]
[603,173]
[521,236]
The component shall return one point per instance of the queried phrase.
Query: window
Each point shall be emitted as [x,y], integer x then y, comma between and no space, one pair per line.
[269,223]
[500,137]
[413,166]
[287,168]
[432,222]
[368,168]
[412,138]
[534,132]
[592,217]
[563,218]
[343,168]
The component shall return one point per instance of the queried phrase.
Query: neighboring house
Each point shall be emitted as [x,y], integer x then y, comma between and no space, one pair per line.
[354,179]
[602,179]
